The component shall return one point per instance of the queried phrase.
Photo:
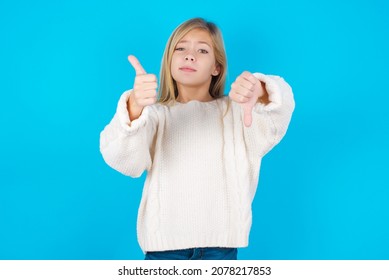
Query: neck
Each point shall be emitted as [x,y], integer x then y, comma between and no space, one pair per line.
[187,93]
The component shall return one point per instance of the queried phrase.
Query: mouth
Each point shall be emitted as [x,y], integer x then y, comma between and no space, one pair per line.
[187,69]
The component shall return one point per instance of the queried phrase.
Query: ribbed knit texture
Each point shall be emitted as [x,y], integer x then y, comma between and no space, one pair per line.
[202,165]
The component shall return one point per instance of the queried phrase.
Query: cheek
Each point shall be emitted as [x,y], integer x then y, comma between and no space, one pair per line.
[174,74]
[173,66]
[210,63]
[211,66]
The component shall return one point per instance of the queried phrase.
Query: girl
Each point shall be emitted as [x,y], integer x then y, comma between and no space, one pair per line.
[202,150]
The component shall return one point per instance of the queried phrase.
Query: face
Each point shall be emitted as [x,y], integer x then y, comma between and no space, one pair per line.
[193,60]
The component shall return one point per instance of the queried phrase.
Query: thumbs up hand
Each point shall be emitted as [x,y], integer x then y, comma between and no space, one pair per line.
[246,90]
[144,90]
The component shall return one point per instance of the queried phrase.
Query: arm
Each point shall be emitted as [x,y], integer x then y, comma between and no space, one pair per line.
[264,105]
[273,112]
[127,145]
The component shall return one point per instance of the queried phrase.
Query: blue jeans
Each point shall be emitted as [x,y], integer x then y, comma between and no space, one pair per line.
[209,253]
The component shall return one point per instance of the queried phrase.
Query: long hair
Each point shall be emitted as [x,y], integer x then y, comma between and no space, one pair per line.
[168,89]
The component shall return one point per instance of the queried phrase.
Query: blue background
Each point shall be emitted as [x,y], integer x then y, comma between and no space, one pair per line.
[323,192]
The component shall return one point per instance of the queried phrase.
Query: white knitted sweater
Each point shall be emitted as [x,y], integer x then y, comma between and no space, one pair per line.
[202,165]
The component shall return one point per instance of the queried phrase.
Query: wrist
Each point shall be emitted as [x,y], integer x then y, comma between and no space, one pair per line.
[134,110]
[264,95]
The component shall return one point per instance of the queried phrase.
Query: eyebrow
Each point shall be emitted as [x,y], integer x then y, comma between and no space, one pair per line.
[200,42]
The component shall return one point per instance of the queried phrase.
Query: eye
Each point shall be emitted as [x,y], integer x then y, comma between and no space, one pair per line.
[179,49]
[203,51]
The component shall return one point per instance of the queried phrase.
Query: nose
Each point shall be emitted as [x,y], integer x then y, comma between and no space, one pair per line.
[189,57]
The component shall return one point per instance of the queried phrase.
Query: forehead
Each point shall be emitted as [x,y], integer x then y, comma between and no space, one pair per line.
[198,35]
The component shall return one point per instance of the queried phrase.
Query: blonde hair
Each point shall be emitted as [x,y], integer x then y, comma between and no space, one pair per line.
[168,88]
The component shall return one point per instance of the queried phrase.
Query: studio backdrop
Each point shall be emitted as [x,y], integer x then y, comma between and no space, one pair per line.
[323,191]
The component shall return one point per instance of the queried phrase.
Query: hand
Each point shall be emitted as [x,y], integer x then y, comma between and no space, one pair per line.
[144,90]
[246,90]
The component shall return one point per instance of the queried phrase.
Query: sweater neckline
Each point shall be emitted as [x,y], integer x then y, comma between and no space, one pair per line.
[197,101]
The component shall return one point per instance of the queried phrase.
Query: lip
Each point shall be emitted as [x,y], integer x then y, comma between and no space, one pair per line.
[187,69]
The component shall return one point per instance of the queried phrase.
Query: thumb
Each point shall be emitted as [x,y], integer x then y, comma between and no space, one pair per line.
[247,118]
[136,64]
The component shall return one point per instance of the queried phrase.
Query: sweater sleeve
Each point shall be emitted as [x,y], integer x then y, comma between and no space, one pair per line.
[127,146]
[270,121]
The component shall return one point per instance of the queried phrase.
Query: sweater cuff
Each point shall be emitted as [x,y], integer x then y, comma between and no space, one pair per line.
[126,124]
[272,88]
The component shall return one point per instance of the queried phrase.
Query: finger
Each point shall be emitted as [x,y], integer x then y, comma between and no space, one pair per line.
[146,86]
[243,83]
[152,93]
[146,94]
[247,118]
[147,101]
[249,77]
[146,78]
[242,90]
[239,97]
[136,64]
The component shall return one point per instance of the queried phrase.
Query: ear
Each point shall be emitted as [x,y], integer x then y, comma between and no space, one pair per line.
[216,71]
